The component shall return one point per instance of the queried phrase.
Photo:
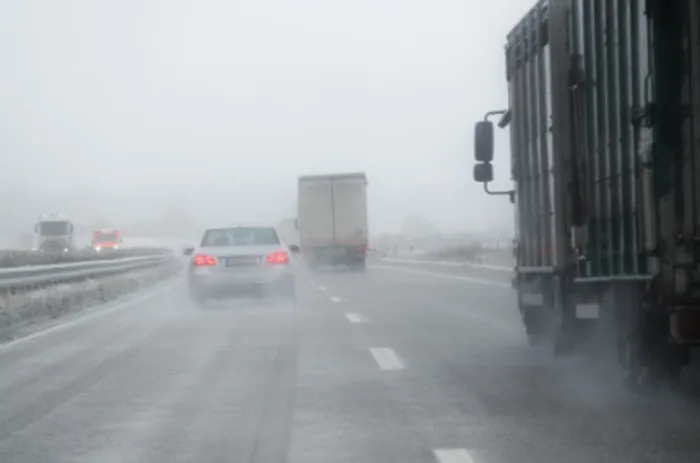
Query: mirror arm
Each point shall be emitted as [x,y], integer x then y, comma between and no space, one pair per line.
[505,120]
[499,112]
[510,193]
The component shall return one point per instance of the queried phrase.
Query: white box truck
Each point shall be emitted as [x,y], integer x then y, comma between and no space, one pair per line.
[54,233]
[332,219]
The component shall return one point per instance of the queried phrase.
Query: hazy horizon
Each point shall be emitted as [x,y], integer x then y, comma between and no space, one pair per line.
[118,109]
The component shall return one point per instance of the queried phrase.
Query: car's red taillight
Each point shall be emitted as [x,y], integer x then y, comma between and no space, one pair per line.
[278,258]
[203,260]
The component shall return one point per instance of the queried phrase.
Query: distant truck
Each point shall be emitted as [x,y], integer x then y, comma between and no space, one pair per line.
[54,233]
[106,240]
[332,219]
[288,230]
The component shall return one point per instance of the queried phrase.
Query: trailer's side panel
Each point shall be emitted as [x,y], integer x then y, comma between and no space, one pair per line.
[675,54]
[694,102]
[609,81]
[533,160]
[689,196]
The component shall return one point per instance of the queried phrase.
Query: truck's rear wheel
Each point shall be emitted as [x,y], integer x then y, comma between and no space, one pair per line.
[360,266]
[649,360]
[536,325]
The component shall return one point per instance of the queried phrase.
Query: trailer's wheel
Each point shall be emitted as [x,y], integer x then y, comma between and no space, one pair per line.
[359,266]
[565,336]
[650,362]
[536,325]
[646,374]
[563,344]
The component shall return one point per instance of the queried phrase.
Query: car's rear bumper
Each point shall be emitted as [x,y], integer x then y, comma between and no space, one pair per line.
[218,284]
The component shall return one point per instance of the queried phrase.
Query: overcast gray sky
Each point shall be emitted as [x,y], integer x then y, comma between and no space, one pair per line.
[222,104]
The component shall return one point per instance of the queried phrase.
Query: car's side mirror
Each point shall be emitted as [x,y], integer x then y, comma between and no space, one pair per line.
[188,251]
[483,141]
[483,173]
[294,248]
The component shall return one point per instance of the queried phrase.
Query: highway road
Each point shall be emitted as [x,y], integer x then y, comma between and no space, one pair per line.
[395,365]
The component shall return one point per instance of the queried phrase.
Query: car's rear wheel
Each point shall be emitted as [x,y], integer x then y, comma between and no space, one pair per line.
[290,292]
[198,298]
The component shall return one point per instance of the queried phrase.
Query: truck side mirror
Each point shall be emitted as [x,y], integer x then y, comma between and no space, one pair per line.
[483,141]
[483,172]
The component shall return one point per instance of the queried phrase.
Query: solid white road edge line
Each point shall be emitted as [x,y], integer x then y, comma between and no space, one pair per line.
[356,318]
[480,281]
[386,358]
[111,307]
[499,268]
[452,456]
[336,299]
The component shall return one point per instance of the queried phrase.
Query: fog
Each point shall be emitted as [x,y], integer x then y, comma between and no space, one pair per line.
[118,109]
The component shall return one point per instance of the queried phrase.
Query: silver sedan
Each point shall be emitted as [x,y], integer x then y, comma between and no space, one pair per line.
[240,260]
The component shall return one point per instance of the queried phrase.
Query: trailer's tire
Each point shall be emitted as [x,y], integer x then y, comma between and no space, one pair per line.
[652,365]
[359,266]
[536,325]
[563,345]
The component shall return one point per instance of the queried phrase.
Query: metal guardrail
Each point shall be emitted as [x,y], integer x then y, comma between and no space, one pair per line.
[30,275]
[21,258]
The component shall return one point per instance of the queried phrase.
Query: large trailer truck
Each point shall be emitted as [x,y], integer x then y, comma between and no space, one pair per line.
[604,119]
[332,218]
[54,233]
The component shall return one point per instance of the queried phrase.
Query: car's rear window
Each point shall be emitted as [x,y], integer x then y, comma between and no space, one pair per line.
[240,236]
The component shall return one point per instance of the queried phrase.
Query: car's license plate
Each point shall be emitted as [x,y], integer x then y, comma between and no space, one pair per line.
[237,261]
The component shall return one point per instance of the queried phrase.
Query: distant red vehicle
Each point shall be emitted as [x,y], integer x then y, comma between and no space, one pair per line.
[103,240]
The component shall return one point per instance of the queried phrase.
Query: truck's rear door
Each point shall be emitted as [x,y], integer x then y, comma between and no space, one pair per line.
[315,205]
[350,211]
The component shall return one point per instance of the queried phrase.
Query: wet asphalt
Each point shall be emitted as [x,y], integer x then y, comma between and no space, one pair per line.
[398,364]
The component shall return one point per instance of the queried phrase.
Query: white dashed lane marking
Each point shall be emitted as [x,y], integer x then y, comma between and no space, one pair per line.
[386,358]
[336,299]
[321,288]
[452,456]
[356,318]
